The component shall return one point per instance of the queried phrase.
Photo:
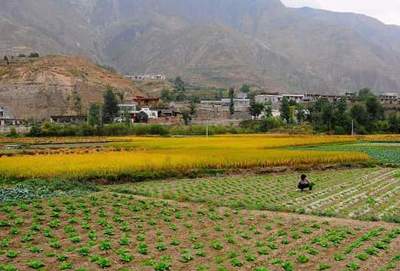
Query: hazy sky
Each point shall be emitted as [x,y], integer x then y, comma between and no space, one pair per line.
[388,11]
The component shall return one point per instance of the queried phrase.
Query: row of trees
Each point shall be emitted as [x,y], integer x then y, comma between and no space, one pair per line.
[365,114]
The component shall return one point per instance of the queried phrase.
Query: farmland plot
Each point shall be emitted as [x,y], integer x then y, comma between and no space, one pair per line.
[372,194]
[386,153]
[116,231]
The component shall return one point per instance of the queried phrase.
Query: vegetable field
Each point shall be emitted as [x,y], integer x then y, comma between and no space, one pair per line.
[114,231]
[372,194]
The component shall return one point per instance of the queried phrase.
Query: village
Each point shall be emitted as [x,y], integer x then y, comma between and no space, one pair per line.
[224,111]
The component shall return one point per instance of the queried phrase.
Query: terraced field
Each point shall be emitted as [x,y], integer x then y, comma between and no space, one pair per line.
[372,194]
[121,232]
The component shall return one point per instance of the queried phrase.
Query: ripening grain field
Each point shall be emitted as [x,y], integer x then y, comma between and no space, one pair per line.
[132,156]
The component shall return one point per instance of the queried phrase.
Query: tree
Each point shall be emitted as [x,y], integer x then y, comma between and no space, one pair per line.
[364,93]
[360,116]
[6,60]
[110,107]
[187,118]
[192,107]
[180,89]
[342,117]
[374,109]
[94,116]
[166,95]
[394,123]
[34,55]
[255,108]
[245,88]
[141,117]
[328,115]
[285,110]
[301,113]
[179,84]
[268,109]
[231,101]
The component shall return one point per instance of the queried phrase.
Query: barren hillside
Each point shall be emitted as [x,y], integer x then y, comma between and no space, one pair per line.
[57,85]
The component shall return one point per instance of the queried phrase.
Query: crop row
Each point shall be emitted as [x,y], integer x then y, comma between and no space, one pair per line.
[359,193]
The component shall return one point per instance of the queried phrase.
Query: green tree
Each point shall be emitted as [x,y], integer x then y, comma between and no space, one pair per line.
[364,93]
[394,123]
[360,116]
[166,95]
[268,109]
[180,89]
[285,110]
[34,55]
[94,116]
[192,107]
[255,108]
[231,101]
[342,117]
[187,118]
[110,107]
[374,109]
[301,113]
[328,115]
[245,88]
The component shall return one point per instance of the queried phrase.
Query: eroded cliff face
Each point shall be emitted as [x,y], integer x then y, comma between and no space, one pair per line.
[56,85]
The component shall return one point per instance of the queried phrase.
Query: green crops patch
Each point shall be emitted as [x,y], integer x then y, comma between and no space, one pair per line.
[385,153]
[365,194]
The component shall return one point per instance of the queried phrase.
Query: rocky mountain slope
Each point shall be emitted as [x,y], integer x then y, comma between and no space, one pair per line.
[213,42]
[57,85]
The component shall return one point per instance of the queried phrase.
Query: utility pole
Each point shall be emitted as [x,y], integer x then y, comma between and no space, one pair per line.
[352,127]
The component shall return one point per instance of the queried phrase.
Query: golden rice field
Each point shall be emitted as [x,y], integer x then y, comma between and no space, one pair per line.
[155,154]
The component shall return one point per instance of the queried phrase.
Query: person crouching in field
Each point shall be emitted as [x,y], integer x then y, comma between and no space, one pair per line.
[305,183]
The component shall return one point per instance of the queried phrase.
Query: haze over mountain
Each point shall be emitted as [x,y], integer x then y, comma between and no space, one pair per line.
[213,42]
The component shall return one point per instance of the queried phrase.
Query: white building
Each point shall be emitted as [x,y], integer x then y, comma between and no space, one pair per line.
[152,114]
[127,108]
[268,98]
[238,103]
[276,99]
[389,98]
[6,119]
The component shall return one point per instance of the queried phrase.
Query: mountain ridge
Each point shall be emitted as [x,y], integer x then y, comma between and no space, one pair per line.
[215,42]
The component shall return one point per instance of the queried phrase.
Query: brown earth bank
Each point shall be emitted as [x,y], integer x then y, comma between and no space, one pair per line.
[37,88]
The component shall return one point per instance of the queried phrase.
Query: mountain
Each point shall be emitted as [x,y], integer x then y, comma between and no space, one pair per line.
[213,42]
[56,85]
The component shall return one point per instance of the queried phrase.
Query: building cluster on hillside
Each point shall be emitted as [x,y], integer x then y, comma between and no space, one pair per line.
[219,110]
[147,77]
[6,119]
[9,59]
